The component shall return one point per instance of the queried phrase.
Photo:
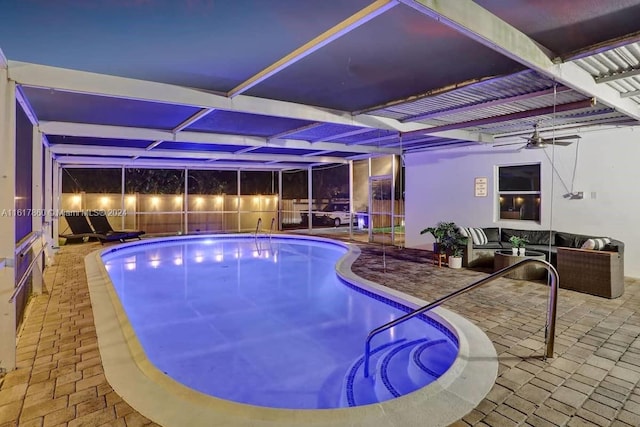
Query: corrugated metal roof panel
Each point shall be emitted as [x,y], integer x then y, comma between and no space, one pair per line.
[578,118]
[616,62]
[497,88]
[514,107]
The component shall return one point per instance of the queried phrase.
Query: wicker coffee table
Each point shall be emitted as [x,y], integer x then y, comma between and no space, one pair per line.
[505,258]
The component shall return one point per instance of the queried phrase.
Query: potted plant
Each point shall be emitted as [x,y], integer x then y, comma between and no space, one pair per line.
[439,232]
[454,242]
[518,244]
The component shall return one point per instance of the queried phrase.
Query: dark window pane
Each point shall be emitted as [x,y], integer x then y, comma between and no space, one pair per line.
[519,178]
[89,180]
[213,182]
[154,181]
[330,182]
[294,184]
[258,182]
[520,206]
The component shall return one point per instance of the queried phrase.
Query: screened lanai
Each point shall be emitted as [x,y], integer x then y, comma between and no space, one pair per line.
[367,120]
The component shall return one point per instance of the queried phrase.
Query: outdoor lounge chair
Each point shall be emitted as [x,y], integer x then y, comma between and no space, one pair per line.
[101,225]
[81,230]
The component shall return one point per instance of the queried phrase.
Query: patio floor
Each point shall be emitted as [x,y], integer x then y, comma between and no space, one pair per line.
[593,380]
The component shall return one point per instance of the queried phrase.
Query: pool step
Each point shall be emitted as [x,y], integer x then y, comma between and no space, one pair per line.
[429,360]
[392,377]
[396,369]
[358,390]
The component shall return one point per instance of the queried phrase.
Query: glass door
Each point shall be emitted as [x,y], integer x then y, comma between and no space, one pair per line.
[381,209]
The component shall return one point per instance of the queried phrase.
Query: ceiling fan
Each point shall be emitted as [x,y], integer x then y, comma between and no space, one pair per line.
[537,141]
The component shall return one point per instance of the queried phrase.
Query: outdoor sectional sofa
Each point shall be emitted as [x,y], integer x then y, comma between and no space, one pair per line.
[596,272]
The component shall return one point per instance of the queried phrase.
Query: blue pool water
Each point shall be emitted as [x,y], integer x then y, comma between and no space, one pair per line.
[269,322]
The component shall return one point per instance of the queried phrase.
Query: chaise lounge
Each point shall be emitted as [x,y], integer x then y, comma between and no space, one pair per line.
[101,225]
[81,230]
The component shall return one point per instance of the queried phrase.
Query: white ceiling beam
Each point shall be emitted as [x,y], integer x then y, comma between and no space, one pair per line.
[377,139]
[246,150]
[121,87]
[3,60]
[124,132]
[43,76]
[92,150]
[486,104]
[188,122]
[413,141]
[343,135]
[354,21]
[470,19]
[194,118]
[88,161]
[318,153]
[153,145]
[296,130]
[26,107]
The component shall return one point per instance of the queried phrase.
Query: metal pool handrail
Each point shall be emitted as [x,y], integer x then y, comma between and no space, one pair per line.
[549,330]
[258,226]
[273,221]
[27,272]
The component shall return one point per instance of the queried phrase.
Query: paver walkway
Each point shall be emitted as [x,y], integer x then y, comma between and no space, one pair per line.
[593,380]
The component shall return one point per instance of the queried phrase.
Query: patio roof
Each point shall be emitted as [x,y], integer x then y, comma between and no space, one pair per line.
[287,84]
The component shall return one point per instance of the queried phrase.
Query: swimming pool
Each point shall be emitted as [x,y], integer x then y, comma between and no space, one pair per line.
[268,322]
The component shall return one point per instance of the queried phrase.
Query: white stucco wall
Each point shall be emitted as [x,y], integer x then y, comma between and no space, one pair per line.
[440,186]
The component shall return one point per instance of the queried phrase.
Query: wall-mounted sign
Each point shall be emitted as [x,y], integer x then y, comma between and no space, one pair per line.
[480,186]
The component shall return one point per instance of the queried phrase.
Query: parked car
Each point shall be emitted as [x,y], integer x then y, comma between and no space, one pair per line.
[334,214]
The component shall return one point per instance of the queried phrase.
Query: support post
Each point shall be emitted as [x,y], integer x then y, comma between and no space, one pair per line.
[37,195]
[310,197]
[279,213]
[56,188]
[7,220]
[351,209]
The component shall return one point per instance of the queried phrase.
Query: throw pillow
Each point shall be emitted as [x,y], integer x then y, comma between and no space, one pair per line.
[596,244]
[492,233]
[476,234]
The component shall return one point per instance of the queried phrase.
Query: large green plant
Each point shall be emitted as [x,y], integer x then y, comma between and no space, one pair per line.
[441,230]
[447,237]
[455,243]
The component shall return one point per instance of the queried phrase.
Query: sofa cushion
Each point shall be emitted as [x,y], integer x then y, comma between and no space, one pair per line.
[565,240]
[475,234]
[597,244]
[489,245]
[613,247]
[492,233]
[570,240]
[534,237]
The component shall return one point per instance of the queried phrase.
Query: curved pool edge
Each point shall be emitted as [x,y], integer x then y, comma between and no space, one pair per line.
[169,403]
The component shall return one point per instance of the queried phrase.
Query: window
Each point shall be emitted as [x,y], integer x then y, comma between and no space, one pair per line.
[519,192]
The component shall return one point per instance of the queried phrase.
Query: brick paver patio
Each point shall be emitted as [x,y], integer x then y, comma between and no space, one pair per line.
[592,381]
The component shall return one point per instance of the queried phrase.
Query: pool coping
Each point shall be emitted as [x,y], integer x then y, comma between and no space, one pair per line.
[169,403]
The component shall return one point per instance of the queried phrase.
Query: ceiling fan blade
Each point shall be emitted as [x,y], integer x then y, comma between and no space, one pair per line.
[560,138]
[558,141]
[508,143]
